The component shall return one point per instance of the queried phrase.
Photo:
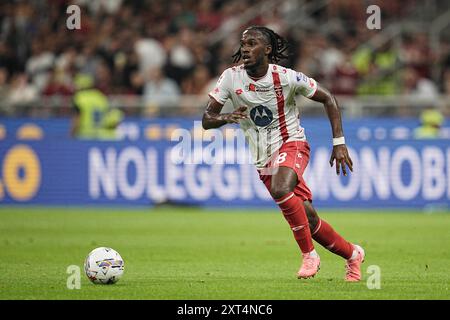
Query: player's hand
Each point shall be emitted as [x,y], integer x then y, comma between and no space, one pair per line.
[236,116]
[340,154]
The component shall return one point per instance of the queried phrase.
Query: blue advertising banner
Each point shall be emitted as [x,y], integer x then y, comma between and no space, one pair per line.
[41,165]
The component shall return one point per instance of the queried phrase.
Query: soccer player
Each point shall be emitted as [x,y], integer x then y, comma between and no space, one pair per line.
[262,94]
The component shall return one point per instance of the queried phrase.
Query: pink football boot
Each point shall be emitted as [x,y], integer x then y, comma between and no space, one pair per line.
[353,266]
[310,266]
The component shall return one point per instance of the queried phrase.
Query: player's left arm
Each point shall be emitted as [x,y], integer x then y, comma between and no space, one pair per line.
[340,152]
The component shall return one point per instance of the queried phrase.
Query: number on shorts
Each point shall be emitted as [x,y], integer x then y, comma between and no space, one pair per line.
[281,157]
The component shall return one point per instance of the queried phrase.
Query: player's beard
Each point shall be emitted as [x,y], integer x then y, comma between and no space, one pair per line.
[254,64]
[249,65]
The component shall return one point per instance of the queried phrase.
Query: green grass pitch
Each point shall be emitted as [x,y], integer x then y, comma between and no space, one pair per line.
[175,253]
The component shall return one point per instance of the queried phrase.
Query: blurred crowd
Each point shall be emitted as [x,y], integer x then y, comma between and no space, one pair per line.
[162,50]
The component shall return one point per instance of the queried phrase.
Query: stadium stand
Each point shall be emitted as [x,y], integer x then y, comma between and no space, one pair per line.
[153,56]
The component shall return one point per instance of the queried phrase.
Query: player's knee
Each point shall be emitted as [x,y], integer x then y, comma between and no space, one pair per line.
[311,214]
[278,192]
[313,221]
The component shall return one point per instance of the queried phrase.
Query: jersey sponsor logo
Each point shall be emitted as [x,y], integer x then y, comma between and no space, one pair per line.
[251,87]
[261,116]
[301,77]
[216,90]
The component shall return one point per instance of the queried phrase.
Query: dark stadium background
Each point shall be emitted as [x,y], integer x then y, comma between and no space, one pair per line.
[156,61]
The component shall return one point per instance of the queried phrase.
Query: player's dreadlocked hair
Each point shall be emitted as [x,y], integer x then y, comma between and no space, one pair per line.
[278,43]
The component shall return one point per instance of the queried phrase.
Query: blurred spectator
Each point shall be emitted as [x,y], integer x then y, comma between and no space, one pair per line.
[58,84]
[103,78]
[66,61]
[21,92]
[5,108]
[181,58]
[151,54]
[431,123]
[87,61]
[446,91]
[108,6]
[417,86]
[446,81]
[345,77]
[350,10]
[415,53]
[379,68]
[197,82]
[182,17]
[160,91]
[207,18]
[39,65]
[93,118]
[7,59]
[310,53]
[331,55]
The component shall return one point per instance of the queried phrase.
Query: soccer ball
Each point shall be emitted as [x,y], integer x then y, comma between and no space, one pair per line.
[104,266]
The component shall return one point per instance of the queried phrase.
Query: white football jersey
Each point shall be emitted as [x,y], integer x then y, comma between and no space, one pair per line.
[273,115]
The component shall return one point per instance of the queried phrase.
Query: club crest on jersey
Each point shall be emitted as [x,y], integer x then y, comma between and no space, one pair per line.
[261,116]
[278,91]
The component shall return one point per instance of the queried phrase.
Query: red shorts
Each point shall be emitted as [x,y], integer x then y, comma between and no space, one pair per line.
[294,155]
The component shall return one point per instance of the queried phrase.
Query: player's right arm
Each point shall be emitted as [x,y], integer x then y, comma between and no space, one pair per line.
[212,118]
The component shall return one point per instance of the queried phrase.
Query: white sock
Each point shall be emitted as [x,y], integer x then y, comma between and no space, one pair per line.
[314,254]
[354,254]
